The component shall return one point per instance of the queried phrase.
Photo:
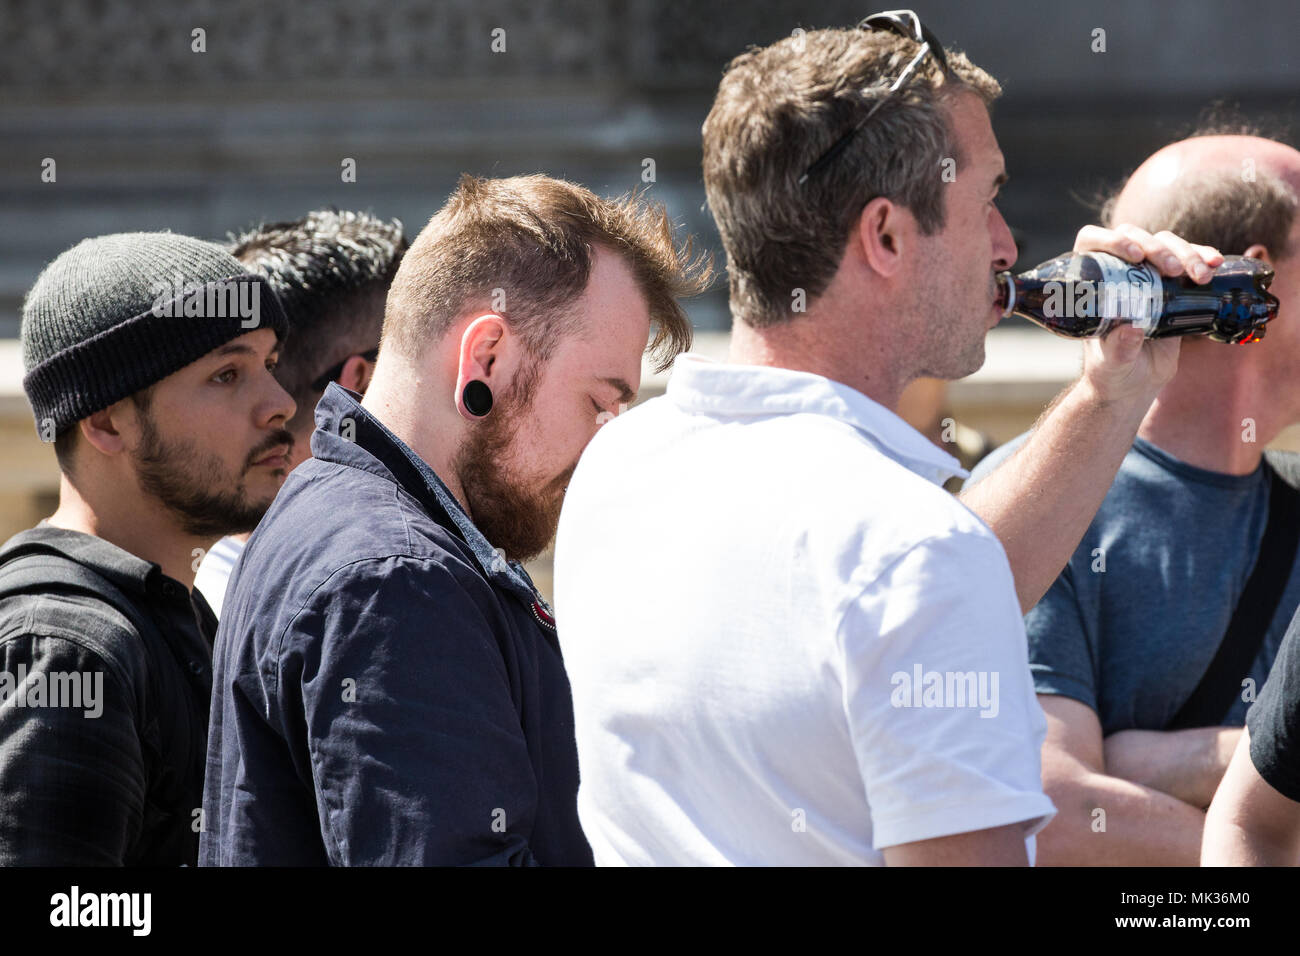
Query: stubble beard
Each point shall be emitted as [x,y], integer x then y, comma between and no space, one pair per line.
[195,486]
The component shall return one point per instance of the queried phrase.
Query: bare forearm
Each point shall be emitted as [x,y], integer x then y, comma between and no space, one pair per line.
[1187,764]
[1040,501]
[1105,821]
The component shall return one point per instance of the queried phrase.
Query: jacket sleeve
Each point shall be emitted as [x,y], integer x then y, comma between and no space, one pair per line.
[72,775]
[416,749]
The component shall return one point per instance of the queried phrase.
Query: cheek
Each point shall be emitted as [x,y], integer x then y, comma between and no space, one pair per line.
[553,438]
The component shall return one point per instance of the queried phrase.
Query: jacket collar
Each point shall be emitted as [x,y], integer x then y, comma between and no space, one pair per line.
[348,434]
[130,574]
[701,385]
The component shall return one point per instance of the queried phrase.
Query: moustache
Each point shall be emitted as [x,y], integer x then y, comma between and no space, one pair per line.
[281,436]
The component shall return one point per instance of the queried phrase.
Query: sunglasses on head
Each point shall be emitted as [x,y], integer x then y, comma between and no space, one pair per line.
[908,25]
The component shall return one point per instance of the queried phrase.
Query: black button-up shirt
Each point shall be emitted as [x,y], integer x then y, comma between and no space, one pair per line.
[103,729]
[388,690]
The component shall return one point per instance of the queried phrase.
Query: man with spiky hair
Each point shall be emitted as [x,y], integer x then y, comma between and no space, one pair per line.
[331,270]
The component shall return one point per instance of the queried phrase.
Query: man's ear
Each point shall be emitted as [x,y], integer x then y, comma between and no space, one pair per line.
[356,374]
[481,348]
[882,232]
[1258,251]
[103,429]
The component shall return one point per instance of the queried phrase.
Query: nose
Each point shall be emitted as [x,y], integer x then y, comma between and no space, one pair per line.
[277,404]
[1005,252]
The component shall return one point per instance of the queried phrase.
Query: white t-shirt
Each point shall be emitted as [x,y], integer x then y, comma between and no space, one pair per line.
[787,643]
[214,571]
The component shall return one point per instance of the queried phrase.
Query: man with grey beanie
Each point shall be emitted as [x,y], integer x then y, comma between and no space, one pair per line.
[148,361]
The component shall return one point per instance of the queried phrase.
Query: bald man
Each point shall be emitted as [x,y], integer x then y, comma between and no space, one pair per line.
[1126,632]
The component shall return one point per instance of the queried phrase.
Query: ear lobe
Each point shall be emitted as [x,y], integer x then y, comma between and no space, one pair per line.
[480,347]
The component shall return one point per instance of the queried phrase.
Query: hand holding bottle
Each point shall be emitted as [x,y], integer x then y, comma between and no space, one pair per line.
[1126,364]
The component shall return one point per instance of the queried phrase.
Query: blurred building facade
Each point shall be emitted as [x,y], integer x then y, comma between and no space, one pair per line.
[146,132]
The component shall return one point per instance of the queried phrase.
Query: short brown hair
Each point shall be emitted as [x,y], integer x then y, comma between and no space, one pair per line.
[531,239]
[1221,208]
[777,110]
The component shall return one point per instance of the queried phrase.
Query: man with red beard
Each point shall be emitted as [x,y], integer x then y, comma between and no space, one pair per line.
[388,685]
[149,362]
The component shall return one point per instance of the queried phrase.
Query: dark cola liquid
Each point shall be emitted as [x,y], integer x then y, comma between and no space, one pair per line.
[1087,294]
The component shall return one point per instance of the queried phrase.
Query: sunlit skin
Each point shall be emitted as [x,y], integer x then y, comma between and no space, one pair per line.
[586,381]
[1197,418]
[973,246]
[228,406]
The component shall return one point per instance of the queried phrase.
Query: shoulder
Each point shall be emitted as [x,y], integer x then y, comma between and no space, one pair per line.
[396,597]
[863,509]
[341,524]
[73,632]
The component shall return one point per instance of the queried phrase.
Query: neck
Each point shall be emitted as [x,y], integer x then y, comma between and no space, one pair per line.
[1216,414]
[800,344]
[137,525]
[425,431]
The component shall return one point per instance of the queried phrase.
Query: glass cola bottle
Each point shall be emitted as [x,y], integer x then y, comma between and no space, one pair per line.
[1082,294]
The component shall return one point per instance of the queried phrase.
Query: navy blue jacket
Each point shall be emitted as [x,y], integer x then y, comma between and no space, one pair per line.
[386,688]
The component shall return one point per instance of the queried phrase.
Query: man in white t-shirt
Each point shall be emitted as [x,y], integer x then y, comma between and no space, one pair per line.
[331,271]
[787,643]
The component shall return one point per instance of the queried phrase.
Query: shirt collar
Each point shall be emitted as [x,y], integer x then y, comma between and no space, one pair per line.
[348,434]
[702,385]
[129,573]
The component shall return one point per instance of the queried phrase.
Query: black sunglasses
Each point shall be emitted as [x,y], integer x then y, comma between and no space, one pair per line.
[908,25]
[334,372]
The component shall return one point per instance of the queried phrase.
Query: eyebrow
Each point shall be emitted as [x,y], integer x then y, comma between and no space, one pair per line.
[625,391]
[239,348]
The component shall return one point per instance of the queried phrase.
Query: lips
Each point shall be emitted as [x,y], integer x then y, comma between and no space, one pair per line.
[277,457]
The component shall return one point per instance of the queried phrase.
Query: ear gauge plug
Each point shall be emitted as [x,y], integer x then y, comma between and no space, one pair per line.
[477,398]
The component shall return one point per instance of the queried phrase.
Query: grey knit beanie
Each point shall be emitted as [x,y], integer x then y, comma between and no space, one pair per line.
[115,314]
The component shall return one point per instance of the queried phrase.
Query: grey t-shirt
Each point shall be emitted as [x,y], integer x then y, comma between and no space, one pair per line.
[1132,623]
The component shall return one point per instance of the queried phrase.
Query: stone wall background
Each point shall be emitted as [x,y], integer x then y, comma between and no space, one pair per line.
[148,134]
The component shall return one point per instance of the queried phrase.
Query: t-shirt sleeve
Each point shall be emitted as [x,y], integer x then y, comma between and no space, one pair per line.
[1060,655]
[417,753]
[1274,719]
[942,714]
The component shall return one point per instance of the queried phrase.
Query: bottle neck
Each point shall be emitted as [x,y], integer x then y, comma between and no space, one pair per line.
[1006,293]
